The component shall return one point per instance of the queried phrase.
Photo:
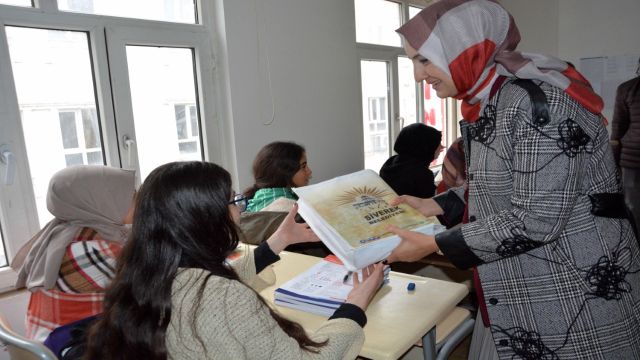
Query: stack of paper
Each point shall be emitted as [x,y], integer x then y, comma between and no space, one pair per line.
[351,214]
[319,290]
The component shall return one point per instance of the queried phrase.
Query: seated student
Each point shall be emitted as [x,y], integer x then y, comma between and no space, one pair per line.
[70,262]
[408,172]
[277,168]
[175,296]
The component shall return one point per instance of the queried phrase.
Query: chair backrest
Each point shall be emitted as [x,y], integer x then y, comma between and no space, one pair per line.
[21,348]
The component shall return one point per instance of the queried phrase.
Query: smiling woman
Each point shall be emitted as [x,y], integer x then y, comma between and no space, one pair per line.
[545,227]
[425,70]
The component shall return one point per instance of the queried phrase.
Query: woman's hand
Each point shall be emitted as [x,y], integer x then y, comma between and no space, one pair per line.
[413,246]
[427,207]
[363,291]
[291,232]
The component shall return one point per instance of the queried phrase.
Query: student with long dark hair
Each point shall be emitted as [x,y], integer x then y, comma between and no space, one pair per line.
[277,168]
[176,296]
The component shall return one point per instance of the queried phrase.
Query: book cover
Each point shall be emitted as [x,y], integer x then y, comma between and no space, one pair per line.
[351,213]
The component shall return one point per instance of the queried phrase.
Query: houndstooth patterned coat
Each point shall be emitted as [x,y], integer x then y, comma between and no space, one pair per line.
[559,282]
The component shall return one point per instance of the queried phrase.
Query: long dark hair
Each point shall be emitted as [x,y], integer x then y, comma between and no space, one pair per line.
[181,219]
[275,165]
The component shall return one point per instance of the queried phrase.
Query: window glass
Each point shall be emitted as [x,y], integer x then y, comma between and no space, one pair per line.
[163,94]
[375,114]
[376,22]
[407,92]
[413,11]
[68,129]
[435,115]
[183,11]
[17,2]
[54,83]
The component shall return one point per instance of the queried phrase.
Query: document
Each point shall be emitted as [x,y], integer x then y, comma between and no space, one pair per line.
[351,213]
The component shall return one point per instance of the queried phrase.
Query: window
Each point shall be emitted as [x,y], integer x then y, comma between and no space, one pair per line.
[53,78]
[167,10]
[87,89]
[80,137]
[187,131]
[17,2]
[376,21]
[391,99]
[154,115]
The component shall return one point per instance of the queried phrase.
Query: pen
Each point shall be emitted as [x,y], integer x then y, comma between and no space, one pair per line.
[346,277]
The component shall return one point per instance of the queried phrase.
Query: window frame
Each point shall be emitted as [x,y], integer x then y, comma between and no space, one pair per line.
[390,54]
[18,213]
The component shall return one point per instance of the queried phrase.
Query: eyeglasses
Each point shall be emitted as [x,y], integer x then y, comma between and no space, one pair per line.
[240,201]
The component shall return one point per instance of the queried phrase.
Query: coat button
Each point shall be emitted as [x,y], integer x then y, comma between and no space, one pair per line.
[504,342]
[472,218]
[471,176]
[493,301]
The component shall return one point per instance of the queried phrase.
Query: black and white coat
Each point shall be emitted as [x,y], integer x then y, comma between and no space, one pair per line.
[558,281]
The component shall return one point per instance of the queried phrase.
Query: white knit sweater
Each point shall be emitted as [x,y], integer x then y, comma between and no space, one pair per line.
[231,322]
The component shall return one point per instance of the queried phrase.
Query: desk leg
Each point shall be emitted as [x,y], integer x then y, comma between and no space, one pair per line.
[429,344]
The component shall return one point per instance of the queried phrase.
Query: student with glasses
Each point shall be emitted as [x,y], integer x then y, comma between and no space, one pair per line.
[176,296]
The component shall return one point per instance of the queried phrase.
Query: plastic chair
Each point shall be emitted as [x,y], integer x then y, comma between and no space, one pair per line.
[21,348]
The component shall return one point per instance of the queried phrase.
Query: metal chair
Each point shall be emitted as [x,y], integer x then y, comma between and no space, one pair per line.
[21,348]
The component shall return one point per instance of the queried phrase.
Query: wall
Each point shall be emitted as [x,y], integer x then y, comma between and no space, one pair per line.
[299,55]
[596,28]
[538,22]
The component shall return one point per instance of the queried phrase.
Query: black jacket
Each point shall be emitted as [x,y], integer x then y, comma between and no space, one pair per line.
[408,172]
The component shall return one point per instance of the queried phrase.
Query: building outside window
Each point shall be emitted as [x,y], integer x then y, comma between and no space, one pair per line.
[123,90]
[387,80]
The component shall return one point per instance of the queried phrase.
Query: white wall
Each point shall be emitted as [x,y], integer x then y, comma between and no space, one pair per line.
[574,29]
[538,24]
[571,29]
[307,48]
[597,28]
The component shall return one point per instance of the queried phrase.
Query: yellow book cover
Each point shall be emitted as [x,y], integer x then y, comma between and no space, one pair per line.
[352,212]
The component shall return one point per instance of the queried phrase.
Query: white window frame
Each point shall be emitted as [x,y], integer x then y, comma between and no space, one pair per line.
[107,37]
[389,55]
[82,148]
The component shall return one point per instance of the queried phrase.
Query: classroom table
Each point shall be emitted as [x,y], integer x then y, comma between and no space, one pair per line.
[396,318]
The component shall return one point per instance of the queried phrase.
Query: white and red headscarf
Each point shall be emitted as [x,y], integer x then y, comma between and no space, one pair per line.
[474,42]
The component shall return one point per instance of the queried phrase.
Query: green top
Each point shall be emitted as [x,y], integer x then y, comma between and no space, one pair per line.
[266,196]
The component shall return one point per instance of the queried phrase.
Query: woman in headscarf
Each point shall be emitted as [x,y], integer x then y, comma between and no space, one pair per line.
[408,172]
[556,257]
[70,262]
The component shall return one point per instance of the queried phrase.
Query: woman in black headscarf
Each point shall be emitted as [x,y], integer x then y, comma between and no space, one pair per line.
[408,172]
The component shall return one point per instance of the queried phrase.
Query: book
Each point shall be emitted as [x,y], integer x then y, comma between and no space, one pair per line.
[351,213]
[320,290]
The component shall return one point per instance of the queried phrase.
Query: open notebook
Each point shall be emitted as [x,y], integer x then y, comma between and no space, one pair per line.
[350,214]
[321,289]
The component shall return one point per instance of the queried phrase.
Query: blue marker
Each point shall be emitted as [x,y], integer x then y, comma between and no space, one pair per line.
[411,286]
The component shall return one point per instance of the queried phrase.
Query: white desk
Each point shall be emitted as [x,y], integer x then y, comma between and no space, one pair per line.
[396,318]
